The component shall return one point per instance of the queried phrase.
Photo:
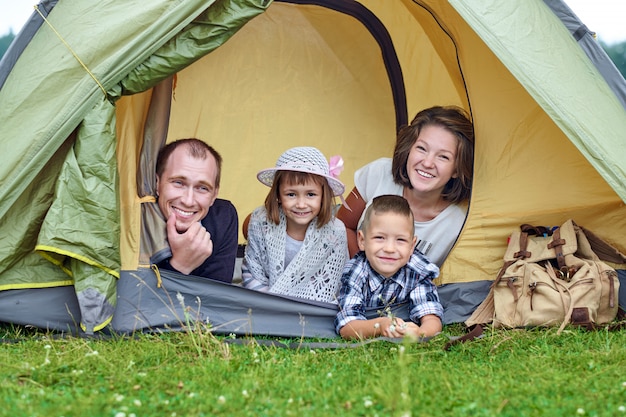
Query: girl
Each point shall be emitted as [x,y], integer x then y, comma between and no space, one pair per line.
[296,246]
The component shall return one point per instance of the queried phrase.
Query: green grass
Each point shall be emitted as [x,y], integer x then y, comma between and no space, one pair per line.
[506,373]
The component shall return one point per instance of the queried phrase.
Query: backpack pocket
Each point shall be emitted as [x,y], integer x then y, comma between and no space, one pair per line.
[535,294]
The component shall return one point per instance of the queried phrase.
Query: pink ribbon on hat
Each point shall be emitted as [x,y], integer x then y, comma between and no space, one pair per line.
[335,165]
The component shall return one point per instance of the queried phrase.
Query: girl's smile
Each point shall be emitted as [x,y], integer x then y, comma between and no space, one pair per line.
[301,204]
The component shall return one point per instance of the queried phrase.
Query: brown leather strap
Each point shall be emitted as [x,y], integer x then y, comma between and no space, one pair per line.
[476,332]
[523,245]
[557,244]
[612,288]
[535,230]
[531,291]
[603,249]
[501,272]
[499,278]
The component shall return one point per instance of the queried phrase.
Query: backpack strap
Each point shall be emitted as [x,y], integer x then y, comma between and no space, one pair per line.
[475,333]
[557,244]
[603,249]
[535,230]
[523,245]
[485,311]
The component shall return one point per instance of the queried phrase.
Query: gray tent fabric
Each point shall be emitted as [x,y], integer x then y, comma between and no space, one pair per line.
[228,308]
[592,48]
[154,246]
[144,304]
[177,301]
[459,300]
[52,309]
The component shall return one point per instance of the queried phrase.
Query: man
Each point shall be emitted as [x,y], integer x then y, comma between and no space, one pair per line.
[202,230]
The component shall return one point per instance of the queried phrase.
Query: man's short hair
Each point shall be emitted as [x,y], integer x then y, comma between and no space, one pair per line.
[387,203]
[195,148]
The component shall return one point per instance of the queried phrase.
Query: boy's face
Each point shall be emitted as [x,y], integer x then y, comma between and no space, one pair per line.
[388,242]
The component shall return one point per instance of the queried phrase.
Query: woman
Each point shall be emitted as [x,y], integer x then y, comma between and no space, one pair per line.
[432,168]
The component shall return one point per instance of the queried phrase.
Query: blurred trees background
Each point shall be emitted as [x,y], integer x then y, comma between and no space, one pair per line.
[5,41]
[617,53]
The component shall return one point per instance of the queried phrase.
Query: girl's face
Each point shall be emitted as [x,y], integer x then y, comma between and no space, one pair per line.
[432,159]
[301,203]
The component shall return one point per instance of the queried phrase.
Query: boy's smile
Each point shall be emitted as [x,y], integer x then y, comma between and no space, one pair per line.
[388,242]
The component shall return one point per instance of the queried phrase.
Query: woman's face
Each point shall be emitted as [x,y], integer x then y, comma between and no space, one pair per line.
[432,159]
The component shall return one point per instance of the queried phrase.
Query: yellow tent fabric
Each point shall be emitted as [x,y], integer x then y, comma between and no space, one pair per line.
[308,75]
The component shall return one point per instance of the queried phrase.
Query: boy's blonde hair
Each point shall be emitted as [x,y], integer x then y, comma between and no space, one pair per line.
[387,204]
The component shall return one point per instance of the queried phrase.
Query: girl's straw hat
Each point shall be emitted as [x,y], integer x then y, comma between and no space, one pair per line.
[305,159]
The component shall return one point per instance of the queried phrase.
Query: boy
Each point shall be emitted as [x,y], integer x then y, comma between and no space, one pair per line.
[387,271]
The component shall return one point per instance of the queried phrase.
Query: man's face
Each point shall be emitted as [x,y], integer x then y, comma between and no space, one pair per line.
[187,188]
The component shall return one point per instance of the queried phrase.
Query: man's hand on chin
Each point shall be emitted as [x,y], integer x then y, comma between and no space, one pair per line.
[189,248]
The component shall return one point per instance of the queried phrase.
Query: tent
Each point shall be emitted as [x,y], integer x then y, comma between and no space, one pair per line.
[90,91]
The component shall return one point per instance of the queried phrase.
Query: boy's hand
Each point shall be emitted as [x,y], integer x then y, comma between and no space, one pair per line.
[399,328]
[190,248]
[431,325]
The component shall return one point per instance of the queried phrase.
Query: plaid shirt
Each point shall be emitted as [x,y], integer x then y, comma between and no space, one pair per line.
[363,288]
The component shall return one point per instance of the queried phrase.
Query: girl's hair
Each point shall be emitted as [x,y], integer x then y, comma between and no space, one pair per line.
[272,201]
[456,121]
